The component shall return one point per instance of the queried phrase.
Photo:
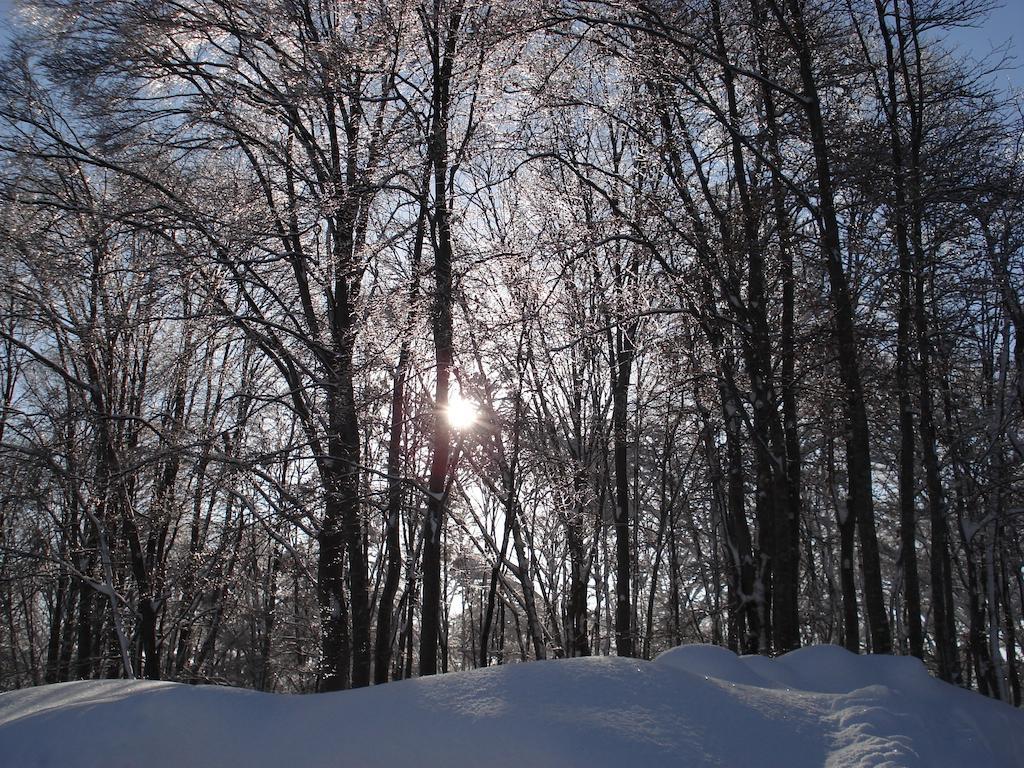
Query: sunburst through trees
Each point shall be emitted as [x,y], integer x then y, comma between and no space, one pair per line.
[348,341]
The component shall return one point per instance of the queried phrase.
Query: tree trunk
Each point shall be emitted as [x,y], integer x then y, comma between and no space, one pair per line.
[433,526]
[336,644]
[622,357]
[858,451]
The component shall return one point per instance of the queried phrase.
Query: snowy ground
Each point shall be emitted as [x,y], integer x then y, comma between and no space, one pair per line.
[692,706]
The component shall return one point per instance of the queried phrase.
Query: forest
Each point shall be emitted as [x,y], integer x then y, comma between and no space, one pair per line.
[346,341]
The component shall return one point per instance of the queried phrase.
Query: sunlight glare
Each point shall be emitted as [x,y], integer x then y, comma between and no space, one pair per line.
[462,414]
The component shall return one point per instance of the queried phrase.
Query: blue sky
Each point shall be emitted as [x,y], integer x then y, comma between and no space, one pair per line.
[1004,26]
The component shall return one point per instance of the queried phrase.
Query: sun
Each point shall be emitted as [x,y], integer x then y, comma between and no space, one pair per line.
[462,414]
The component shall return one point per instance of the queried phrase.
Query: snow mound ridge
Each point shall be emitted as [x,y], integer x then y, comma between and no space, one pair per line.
[819,669]
[712,661]
[692,706]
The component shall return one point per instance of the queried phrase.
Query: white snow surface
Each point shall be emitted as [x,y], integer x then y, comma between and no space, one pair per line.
[695,705]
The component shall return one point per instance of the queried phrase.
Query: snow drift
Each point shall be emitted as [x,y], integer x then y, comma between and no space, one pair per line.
[692,706]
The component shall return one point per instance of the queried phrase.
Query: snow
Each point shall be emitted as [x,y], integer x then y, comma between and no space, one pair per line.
[692,706]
